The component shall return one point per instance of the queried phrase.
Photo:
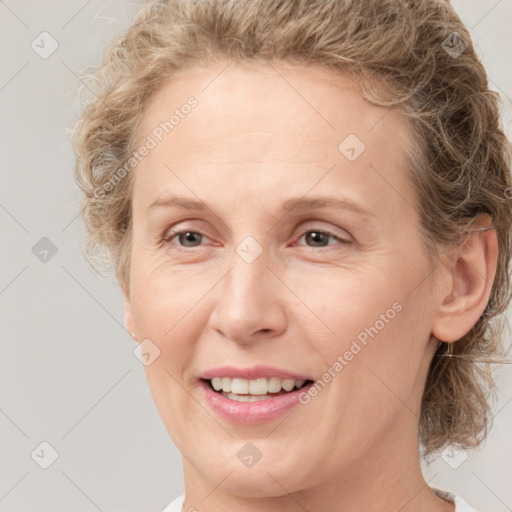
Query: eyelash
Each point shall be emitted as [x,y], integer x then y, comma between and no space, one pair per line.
[170,235]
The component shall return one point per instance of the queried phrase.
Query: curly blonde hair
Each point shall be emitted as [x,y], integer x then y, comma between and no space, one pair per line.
[406,54]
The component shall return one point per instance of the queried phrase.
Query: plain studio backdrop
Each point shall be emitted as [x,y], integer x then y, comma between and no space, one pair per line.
[70,386]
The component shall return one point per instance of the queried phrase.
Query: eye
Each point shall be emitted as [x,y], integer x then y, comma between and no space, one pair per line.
[313,238]
[320,238]
[186,238]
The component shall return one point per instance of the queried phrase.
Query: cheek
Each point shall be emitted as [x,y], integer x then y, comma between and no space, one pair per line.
[370,326]
[343,304]
[163,293]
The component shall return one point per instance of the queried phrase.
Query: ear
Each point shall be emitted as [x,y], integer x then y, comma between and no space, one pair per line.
[128,318]
[468,283]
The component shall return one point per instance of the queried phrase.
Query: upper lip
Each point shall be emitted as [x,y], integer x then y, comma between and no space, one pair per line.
[253,372]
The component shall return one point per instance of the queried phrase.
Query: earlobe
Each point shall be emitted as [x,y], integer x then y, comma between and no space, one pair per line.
[469,283]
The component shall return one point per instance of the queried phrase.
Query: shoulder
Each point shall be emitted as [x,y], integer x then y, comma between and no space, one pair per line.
[175,505]
[460,504]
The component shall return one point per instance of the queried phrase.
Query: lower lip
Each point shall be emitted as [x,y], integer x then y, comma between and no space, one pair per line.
[251,413]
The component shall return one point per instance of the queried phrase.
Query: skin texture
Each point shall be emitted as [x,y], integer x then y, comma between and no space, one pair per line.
[262,134]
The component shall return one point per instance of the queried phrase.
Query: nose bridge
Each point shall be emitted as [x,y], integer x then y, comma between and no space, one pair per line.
[248,301]
[246,283]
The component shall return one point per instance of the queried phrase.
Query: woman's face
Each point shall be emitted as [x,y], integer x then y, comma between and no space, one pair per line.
[334,290]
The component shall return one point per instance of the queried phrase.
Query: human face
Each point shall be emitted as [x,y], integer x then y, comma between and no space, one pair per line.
[255,284]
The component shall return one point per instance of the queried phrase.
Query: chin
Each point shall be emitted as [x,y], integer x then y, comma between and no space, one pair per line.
[267,478]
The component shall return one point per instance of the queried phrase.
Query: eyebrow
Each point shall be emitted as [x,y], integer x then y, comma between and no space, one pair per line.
[294,203]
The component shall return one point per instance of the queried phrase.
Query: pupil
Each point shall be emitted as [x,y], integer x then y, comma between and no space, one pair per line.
[316,236]
[189,236]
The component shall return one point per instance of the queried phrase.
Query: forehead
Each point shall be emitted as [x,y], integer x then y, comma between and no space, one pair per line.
[274,96]
[265,118]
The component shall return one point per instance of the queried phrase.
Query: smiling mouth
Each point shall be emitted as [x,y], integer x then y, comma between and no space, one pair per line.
[244,390]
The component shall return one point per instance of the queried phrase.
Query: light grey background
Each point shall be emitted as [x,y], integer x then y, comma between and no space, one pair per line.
[67,372]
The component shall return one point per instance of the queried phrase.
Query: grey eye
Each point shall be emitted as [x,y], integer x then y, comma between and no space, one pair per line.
[318,238]
[189,238]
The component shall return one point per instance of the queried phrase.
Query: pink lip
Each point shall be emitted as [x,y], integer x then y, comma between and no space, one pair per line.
[252,373]
[251,413]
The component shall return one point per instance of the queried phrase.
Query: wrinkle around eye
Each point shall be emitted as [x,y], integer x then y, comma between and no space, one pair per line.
[342,231]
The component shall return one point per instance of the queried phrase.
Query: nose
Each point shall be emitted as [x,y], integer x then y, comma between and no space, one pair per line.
[250,301]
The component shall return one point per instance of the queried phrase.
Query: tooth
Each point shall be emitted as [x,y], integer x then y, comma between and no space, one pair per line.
[217,383]
[226,384]
[240,386]
[288,384]
[246,398]
[257,386]
[254,387]
[274,385]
